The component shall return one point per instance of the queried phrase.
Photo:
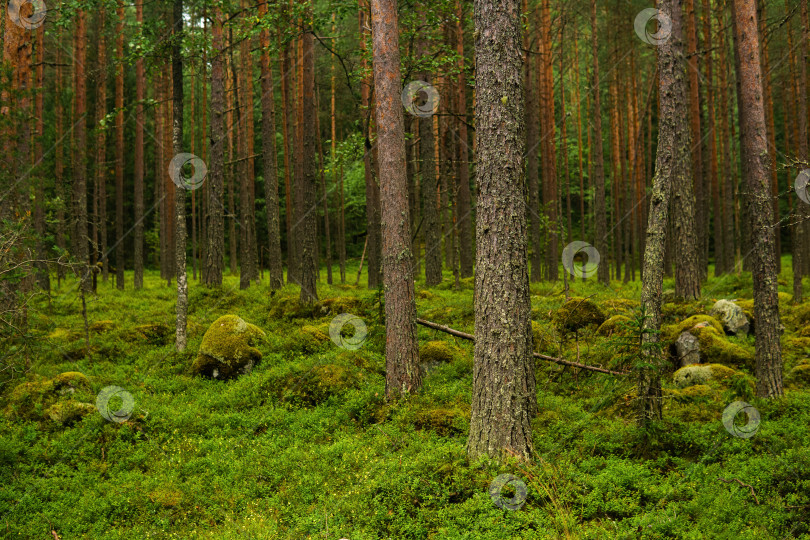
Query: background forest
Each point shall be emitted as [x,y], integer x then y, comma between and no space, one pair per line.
[359,269]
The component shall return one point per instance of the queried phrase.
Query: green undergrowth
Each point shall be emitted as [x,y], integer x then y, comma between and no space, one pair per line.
[305,445]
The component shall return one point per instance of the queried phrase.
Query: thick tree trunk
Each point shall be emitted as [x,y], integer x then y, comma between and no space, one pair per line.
[100,203]
[753,141]
[43,272]
[270,172]
[286,117]
[215,231]
[180,194]
[603,271]
[139,161]
[80,250]
[401,347]
[504,399]
[307,214]
[800,252]
[672,167]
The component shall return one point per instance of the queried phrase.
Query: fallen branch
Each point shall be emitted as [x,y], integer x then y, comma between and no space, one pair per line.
[739,482]
[470,337]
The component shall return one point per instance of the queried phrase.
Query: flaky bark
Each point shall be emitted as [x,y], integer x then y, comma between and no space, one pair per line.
[753,139]
[80,250]
[504,398]
[180,195]
[215,231]
[139,165]
[307,188]
[401,347]
[119,152]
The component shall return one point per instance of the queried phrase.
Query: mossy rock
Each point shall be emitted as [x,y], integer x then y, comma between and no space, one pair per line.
[100,327]
[701,373]
[289,307]
[436,352]
[227,348]
[715,348]
[64,333]
[317,333]
[425,294]
[676,311]
[613,326]
[443,420]
[578,313]
[337,305]
[32,400]
[546,339]
[166,497]
[318,384]
[671,332]
[153,333]
[693,393]
[800,375]
[69,412]
[620,306]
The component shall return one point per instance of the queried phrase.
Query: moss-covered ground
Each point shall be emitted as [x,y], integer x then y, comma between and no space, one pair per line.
[305,446]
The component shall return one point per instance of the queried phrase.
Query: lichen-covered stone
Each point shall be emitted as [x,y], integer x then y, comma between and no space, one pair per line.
[578,313]
[227,348]
[701,374]
[732,316]
[715,348]
[687,348]
[613,325]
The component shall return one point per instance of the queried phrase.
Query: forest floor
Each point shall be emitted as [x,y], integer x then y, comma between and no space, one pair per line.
[306,447]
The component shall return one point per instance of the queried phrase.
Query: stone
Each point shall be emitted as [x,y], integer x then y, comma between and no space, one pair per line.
[701,374]
[687,347]
[732,316]
[227,348]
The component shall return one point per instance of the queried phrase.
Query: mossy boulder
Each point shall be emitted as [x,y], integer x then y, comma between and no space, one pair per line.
[800,375]
[578,313]
[34,400]
[100,327]
[436,352]
[671,332]
[732,316]
[715,348]
[546,339]
[620,306]
[337,305]
[227,348]
[318,384]
[613,326]
[701,373]
[693,393]
[152,333]
[69,412]
[289,307]
[424,294]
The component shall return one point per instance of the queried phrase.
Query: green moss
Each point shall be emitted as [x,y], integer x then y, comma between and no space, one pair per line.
[546,339]
[36,400]
[69,412]
[228,348]
[152,333]
[672,331]
[315,332]
[701,374]
[288,307]
[337,305]
[318,384]
[99,327]
[800,375]
[613,325]
[166,496]
[425,294]
[693,393]
[715,348]
[436,351]
[64,333]
[363,359]
[620,306]
[578,313]
[444,420]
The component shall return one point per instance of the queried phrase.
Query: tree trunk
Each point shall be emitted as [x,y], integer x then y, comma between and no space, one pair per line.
[532,165]
[80,250]
[402,374]
[671,167]
[43,272]
[119,155]
[464,201]
[755,157]
[799,248]
[307,213]
[180,194]
[603,271]
[270,172]
[215,231]
[286,116]
[504,399]
[100,203]
[139,159]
